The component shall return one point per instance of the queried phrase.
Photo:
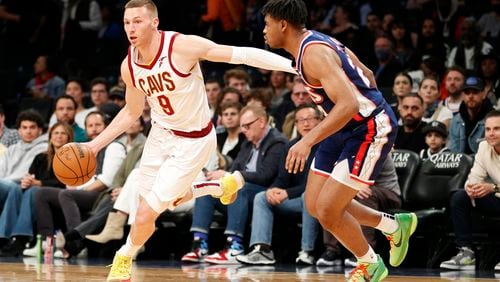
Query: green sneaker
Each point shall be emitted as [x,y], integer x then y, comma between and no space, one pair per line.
[372,272]
[399,240]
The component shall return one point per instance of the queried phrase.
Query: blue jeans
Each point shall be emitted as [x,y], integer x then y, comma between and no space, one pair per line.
[461,210]
[263,216]
[237,212]
[18,209]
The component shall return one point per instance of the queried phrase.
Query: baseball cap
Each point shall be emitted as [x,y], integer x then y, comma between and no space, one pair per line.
[473,82]
[436,126]
[110,110]
[117,92]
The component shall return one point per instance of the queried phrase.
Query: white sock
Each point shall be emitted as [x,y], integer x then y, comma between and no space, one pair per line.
[204,188]
[129,249]
[370,256]
[387,224]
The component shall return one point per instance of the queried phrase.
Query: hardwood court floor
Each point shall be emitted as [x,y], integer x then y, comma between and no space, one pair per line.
[28,270]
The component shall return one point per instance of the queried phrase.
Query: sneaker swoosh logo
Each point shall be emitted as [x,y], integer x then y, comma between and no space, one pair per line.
[398,244]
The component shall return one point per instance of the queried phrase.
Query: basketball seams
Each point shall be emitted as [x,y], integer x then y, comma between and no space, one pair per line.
[62,162]
[78,158]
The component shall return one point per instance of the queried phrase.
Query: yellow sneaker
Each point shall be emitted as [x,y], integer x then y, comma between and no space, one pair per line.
[121,268]
[231,183]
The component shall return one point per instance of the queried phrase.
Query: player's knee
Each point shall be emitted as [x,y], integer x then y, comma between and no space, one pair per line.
[328,215]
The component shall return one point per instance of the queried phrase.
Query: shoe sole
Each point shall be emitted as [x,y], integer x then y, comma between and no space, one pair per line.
[256,263]
[413,227]
[458,267]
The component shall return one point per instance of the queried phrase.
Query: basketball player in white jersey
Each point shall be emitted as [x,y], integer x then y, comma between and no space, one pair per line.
[164,66]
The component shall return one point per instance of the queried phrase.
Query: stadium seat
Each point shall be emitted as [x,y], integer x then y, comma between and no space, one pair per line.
[407,164]
[430,193]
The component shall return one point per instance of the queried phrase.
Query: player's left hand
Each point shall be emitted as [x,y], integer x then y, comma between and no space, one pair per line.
[297,157]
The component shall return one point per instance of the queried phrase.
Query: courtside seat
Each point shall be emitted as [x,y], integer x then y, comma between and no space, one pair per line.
[430,193]
[407,164]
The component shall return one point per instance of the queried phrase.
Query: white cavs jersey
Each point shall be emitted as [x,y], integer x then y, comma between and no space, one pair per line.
[178,100]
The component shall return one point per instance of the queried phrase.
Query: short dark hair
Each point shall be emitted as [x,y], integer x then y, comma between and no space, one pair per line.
[230,104]
[99,80]
[292,11]
[308,106]
[66,96]
[492,113]
[405,74]
[413,95]
[30,115]
[457,69]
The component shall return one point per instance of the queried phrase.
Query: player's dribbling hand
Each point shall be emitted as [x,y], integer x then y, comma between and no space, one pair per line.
[297,157]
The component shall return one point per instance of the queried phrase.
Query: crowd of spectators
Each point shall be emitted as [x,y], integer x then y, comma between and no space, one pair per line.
[435,61]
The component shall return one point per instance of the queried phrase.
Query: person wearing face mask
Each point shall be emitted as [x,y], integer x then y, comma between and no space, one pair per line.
[387,67]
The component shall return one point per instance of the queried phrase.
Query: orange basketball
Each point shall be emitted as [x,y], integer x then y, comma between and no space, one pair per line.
[74,164]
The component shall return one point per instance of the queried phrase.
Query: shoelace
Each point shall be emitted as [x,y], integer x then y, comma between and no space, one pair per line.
[121,267]
[359,271]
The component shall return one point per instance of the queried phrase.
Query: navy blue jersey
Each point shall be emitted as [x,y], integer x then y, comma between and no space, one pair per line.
[369,98]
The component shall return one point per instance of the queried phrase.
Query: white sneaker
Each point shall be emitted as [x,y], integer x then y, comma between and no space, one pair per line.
[226,256]
[497,267]
[33,252]
[83,254]
[350,262]
[305,258]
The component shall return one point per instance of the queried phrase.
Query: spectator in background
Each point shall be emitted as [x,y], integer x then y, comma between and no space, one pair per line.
[368,34]
[429,43]
[239,79]
[16,161]
[65,111]
[489,72]
[257,161]
[434,109]
[471,46]
[299,97]
[46,84]
[481,194]
[489,23]
[345,30]
[230,94]
[279,88]
[7,136]
[99,92]
[117,96]
[81,20]
[401,38]
[146,116]
[229,141]
[435,137]
[410,136]
[467,127]
[17,217]
[75,89]
[285,196]
[213,89]
[388,65]
[401,87]
[453,81]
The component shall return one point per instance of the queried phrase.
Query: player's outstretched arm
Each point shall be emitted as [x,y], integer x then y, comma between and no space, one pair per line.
[198,48]
[127,116]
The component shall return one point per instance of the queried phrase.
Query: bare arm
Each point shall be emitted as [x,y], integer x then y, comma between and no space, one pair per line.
[335,83]
[195,48]
[322,66]
[127,116]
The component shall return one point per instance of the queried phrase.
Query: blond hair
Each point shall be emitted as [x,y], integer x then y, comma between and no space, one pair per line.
[148,4]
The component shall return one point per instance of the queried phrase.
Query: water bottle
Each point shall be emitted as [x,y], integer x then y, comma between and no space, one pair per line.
[47,257]
[39,248]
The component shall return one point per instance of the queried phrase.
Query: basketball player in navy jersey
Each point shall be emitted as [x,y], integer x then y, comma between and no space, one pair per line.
[356,113]
[164,67]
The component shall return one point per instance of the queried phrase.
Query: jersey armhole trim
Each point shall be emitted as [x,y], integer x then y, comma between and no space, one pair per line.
[130,68]
[153,63]
[170,61]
